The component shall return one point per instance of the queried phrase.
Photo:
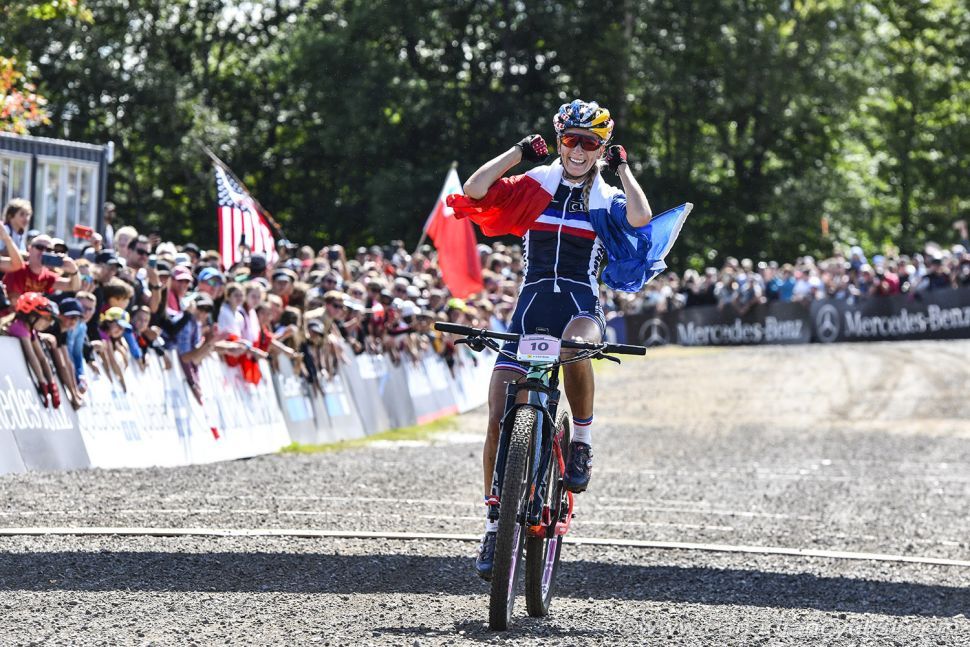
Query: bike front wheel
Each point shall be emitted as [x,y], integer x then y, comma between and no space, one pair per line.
[510,538]
[542,553]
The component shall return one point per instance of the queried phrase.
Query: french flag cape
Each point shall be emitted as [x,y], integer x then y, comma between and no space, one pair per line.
[636,254]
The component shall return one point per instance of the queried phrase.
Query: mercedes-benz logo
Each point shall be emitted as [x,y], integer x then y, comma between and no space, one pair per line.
[827,324]
[654,333]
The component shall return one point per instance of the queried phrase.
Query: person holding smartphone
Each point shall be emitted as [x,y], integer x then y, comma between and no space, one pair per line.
[36,275]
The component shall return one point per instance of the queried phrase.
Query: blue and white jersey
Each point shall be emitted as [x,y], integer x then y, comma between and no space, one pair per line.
[561,247]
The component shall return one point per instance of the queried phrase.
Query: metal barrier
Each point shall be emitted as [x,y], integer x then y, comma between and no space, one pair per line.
[153,419]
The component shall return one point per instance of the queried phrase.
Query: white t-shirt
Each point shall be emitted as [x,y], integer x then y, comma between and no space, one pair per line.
[250,325]
[231,322]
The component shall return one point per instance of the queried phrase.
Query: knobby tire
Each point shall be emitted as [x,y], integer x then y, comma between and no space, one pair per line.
[539,552]
[508,543]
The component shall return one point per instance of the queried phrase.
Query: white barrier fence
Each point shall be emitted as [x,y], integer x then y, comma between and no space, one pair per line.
[154,419]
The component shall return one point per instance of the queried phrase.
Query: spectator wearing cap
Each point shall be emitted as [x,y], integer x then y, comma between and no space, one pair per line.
[115,353]
[33,276]
[283,282]
[78,341]
[179,310]
[213,283]
[936,277]
[69,315]
[119,294]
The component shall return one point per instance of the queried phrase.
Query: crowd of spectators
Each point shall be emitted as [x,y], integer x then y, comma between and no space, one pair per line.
[125,296]
[851,275]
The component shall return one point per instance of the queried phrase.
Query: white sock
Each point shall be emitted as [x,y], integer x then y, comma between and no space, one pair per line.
[582,430]
[490,526]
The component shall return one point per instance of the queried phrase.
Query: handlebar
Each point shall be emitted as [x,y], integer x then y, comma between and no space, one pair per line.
[616,349]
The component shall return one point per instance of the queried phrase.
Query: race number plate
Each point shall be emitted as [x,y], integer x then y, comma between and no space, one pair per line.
[538,348]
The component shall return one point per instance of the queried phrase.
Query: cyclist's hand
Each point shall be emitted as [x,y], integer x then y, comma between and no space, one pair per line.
[615,155]
[534,148]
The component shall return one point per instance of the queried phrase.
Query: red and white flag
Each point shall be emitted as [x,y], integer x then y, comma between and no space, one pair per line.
[241,222]
[455,241]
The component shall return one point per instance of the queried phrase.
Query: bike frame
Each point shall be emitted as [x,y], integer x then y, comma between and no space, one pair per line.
[542,385]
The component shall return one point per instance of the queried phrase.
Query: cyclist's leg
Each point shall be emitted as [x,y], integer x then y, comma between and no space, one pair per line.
[579,389]
[578,384]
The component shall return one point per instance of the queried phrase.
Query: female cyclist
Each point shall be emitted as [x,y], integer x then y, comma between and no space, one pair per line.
[571,221]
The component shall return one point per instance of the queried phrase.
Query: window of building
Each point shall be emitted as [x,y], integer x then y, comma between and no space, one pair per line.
[14,178]
[65,190]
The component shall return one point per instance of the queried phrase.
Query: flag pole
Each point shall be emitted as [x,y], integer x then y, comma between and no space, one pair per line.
[424,230]
[263,211]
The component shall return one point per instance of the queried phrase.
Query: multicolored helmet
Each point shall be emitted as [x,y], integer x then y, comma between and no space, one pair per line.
[582,114]
[35,303]
[117,315]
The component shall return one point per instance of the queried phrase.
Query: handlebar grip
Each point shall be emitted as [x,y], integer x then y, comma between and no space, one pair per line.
[467,330]
[625,349]
[455,328]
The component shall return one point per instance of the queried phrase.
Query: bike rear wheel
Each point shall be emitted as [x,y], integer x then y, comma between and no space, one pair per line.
[542,553]
[510,538]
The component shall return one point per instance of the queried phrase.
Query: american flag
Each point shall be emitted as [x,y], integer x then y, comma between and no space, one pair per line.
[241,220]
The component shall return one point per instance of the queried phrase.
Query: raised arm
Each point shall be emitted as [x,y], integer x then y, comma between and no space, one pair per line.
[638,212]
[532,148]
[16,260]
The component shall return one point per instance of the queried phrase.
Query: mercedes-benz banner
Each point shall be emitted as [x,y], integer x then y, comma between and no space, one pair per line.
[773,323]
[941,314]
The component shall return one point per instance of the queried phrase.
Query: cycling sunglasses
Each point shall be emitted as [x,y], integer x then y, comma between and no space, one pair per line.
[588,142]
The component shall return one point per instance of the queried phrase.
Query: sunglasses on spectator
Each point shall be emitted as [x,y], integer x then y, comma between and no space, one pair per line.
[588,143]
[143,252]
[41,248]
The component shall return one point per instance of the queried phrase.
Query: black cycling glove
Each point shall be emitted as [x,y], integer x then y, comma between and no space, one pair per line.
[534,148]
[615,155]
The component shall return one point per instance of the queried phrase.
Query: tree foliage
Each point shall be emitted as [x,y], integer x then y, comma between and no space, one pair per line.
[343,115]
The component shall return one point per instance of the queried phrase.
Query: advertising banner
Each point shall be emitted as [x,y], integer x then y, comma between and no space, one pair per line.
[365,377]
[441,394]
[129,425]
[337,416]
[235,419]
[295,401]
[941,314]
[472,374]
[773,323]
[395,395]
[48,439]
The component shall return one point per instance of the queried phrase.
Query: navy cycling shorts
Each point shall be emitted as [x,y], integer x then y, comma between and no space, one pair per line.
[550,310]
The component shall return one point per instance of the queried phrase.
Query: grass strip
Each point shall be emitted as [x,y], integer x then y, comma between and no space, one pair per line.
[416,432]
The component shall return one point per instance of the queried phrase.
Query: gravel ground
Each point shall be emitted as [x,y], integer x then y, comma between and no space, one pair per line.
[849,447]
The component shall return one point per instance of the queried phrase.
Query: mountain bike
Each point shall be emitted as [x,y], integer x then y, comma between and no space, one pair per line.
[535,510]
